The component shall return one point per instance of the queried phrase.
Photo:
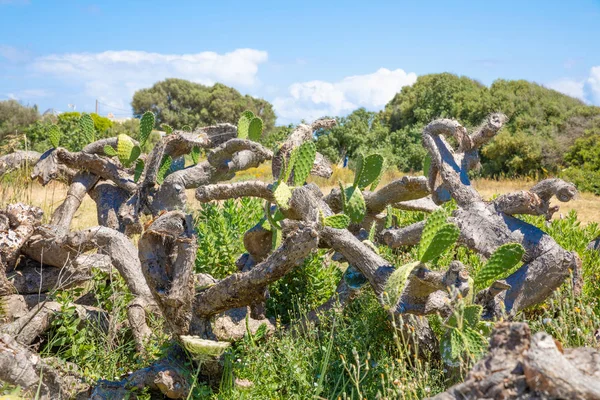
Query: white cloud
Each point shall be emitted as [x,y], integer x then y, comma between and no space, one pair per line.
[113,76]
[594,82]
[14,54]
[314,99]
[570,87]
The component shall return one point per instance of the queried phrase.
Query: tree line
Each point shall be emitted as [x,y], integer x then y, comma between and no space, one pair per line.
[548,133]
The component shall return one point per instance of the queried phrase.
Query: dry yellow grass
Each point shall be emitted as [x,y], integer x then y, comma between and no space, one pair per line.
[48,198]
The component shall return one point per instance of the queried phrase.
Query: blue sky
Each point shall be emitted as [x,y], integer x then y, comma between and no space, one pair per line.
[309,58]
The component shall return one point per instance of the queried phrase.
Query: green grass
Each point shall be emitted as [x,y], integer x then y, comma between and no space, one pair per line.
[352,354]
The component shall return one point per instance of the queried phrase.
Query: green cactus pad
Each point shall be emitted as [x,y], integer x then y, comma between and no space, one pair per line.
[282,195]
[452,347]
[124,149]
[355,206]
[165,164]
[304,158]
[135,154]
[248,114]
[397,282]
[255,129]
[139,169]
[146,125]
[500,263]
[372,167]
[202,349]
[432,225]
[443,239]
[186,128]
[338,221]
[195,154]
[358,169]
[276,238]
[243,125]
[287,168]
[110,151]
[86,126]
[54,135]
[167,128]
[389,217]
[472,315]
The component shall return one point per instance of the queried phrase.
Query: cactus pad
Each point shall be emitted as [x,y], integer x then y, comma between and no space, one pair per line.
[54,135]
[282,195]
[354,205]
[124,149]
[146,125]
[165,164]
[110,151]
[443,239]
[337,221]
[139,169]
[203,349]
[433,223]
[195,154]
[86,126]
[500,263]
[167,128]
[255,129]
[426,165]
[372,167]
[397,282]
[358,169]
[304,158]
[243,126]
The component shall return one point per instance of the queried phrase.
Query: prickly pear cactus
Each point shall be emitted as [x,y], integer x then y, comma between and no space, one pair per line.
[165,164]
[243,126]
[463,337]
[355,206]
[282,195]
[54,135]
[500,263]
[255,129]
[432,225]
[146,125]
[304,158]
[124,149]
[372,167]
[195,155]
[443,239]
[203,349]
[110,151]
[338,221]
[186,128]
[86,126]
[139,169]
[358,169]
[397,282]
[167,128]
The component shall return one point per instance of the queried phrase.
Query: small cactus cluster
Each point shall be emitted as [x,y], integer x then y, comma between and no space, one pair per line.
[499,264]
[250,126]
[367,172]
[300,163]
[437,237]
[127,151]
[462,335]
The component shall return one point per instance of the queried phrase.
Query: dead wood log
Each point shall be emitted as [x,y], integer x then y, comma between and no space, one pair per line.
[19,366]
[525,367]
[18,160]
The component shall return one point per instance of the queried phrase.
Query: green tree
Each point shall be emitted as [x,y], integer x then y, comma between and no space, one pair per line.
[178,102]
[14,120]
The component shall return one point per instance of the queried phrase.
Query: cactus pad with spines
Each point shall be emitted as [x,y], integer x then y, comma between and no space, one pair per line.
[337,221]
[282,195]
[110,151]
[186,128]
[244,124]
[372,167]
[86,126]
[167,128]
[396,283]
[139,169]
[433,223]
[304,158]
[146,125]
[195,154]
[255,129]
[443,239]
[358,169]
[165,164]
[354,205]
[54,135]
[124,149]
[500,263]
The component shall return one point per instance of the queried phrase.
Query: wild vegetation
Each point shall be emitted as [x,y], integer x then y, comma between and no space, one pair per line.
[280,289]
